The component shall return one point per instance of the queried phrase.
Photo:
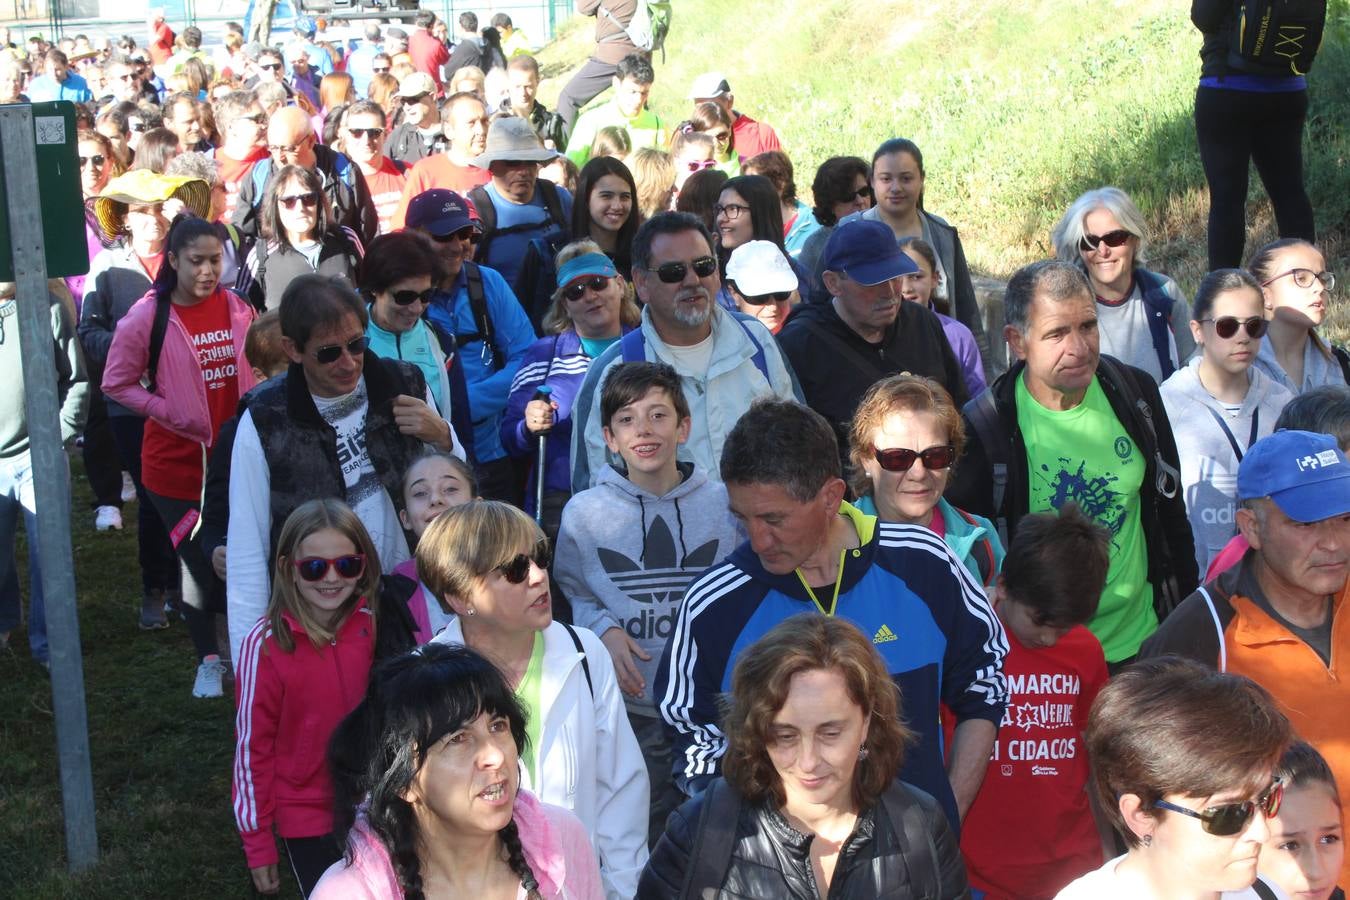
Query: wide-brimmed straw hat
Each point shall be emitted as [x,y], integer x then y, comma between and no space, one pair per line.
[512,139]
[144,186]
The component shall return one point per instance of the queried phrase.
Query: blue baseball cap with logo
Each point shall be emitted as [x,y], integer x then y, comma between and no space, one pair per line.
[865,251]
[439,212]
[1304,473]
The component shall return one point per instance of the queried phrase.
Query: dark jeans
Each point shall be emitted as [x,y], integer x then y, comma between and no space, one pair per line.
[1234,128]
[159,564]
[650,732]
[310,858]
[203,591]
[102,462]
[590,80]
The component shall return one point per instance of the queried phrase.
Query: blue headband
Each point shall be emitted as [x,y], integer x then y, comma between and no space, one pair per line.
[586,264]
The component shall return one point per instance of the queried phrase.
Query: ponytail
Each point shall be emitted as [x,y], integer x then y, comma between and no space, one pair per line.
[185,229]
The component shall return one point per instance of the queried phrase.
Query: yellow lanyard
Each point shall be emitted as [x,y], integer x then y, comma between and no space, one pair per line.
[838,580]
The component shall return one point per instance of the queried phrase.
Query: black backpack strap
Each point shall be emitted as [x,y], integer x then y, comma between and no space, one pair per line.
[552,202]
[158,329]
[1159,311]
[1263,890]
[585,663]
[983,415]
[714,840]
[487,219]
[478,306]
[1343,358]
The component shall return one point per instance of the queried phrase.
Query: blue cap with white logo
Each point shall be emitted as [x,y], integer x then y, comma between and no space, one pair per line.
[1305,473]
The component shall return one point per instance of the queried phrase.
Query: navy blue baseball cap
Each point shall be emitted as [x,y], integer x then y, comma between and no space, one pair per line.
[1304,473]
[865,250]
[439,212]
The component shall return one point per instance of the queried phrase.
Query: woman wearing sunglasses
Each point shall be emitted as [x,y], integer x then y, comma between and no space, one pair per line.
[299,236]
[1297,290]
[592,308]
[749,209]
[606,211]
[1220,404]
[1183,759]
[906,436]
[487,562]
[1141,315]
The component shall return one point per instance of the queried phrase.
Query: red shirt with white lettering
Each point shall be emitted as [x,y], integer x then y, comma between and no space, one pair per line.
[172,465]
[232,174]
[1030,831]
[386,190]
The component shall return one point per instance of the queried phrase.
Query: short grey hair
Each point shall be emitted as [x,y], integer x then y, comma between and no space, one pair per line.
[1054,279]
[233,106]
[193,164]
[1069,230]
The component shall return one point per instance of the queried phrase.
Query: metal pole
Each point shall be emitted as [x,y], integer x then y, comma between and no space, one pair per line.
[51,481]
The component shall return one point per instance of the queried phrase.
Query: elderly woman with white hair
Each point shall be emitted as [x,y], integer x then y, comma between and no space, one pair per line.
[1141,315]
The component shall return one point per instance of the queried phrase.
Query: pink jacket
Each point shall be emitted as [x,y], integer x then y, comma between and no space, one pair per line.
[179,403]
[553,839]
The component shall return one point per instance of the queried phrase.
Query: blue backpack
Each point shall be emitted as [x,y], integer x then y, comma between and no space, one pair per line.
[634,346]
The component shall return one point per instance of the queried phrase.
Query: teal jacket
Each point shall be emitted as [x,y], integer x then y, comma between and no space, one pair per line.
[972,538]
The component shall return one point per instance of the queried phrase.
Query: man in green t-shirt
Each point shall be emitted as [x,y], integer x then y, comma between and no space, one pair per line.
[628,110]
[1067,425]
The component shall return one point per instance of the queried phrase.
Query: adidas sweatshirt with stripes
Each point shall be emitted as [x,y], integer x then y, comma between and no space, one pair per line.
[928,618]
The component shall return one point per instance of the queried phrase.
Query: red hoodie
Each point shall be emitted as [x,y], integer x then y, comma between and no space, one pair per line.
[289,705]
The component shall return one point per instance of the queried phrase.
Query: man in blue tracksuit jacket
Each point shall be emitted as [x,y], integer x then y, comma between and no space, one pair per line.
[808,550]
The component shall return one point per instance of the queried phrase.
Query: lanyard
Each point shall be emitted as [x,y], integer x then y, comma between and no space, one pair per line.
[838,580]
[1232,441]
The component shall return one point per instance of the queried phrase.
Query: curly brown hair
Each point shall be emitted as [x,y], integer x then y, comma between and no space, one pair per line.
[898,393]
[759,688]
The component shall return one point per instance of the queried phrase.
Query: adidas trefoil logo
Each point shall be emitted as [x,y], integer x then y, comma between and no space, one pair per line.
[884,635]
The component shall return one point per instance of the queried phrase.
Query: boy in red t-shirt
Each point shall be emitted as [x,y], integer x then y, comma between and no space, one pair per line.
[1031,830]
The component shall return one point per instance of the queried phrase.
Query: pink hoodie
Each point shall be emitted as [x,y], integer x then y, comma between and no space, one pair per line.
[554,841]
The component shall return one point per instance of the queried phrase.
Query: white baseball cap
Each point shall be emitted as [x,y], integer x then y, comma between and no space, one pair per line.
[759,268]
[709,84]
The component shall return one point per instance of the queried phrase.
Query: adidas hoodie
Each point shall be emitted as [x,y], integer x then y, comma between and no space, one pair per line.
[625,556]
[1209,463]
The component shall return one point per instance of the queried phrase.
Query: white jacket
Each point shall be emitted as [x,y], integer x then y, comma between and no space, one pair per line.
[588,759]
[716,397]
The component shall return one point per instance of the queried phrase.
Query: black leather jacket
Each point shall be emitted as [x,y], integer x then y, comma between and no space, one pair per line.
[770,858]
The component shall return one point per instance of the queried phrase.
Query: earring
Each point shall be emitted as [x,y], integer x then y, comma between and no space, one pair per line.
[862,753]
[470,611]
[1146,840]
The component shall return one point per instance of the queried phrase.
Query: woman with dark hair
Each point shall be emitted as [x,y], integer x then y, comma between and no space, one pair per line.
[605,210]
[157,146]
[748,209]
[429,802]
[1183,760]
[195,388]
[810,804]
[299,237]
[1297,292]
[698,195]
[713,120]
[841,188]
[798,223]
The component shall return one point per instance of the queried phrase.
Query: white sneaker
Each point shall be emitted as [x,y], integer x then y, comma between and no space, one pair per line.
[106,517]
[209,675]
[128,488]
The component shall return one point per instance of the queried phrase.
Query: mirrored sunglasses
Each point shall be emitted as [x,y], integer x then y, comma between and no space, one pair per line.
[577,289]
[314,568]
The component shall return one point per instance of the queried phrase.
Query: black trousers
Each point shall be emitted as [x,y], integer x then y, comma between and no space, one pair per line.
[590,80]
[203,591]
[1233,129]
[102,463]
[310,858]
[159,563]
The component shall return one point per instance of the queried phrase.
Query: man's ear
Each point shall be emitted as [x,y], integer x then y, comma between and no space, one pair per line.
[293,353]
[831,281]
[1248,523]
[682,433]
[640,277]
[832,494]
[1016,341]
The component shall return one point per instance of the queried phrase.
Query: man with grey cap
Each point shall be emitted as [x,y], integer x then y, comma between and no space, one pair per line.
[1279,616]
[866,332]
[751,137]
[761,281]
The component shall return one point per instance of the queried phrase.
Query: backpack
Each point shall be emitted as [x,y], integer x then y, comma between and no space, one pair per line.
[262,170]
[486,333]
[648,27]
[535,282]
[633,347]
[1159,306]
[1276,37]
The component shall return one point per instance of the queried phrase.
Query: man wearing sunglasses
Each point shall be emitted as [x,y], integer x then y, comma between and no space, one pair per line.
[465,120]
[421,133]
[1278,617]
[341,422]
[362,137]
[240,119]
[726,360]
[1066,424]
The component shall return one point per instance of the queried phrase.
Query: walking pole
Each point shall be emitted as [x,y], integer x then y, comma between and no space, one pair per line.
[543,393]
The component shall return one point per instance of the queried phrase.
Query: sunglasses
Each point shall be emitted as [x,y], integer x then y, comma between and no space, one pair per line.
[766,299]
[314,568]
[901,459]
[381,71]
[1115,238]
[862,193]
[467,233]
[256,118]
[732,211]
[700,165]
[517,569]
[98,159]
[415,99]
[308,199]
[1227,326]
[355,349]
[1304,278]
[408,298]
[577,289]
[372,133]
[139,127]
[674,272]
[270,67]
[1230,818]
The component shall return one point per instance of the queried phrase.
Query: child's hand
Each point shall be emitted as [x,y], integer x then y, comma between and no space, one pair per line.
[218,561]
[266,879]
[622,649]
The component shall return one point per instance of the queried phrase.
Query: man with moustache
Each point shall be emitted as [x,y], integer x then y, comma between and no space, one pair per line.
[726,360]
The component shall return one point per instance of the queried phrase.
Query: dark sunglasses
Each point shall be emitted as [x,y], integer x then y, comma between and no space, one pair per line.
[901,459]
[766,299]
[408,298]
[314,568]
[674,272]
[372,133]
[1230,818]
[1115,238]
[517,569]
[467,233]
[1227,326]
[577,289]
[415,99]
[308,199]
[271,67]
[98,159]
[380,71]
[862,193]
[355,348]
[139,127]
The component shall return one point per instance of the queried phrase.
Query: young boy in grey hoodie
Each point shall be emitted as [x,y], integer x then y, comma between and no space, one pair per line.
[628,547]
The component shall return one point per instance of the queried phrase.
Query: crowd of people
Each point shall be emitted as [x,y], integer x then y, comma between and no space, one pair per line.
[578,511]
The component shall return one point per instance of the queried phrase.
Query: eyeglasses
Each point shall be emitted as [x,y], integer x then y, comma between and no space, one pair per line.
[1230,818]
[732,211]
[270,67]
[862,193]
[467,233]
[314,568]
[674,272]
[98,159]
[418,98]
[408,298]
[380,71]
[355,348]
[1115,238]
[255,118]
[577,289]
[291,148]
[1304,278]
[125,76]
[139,127]
[766,299]
[308,199]
[371,133]
[1227,326]
[517,569]
[699,165]
[901,459]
